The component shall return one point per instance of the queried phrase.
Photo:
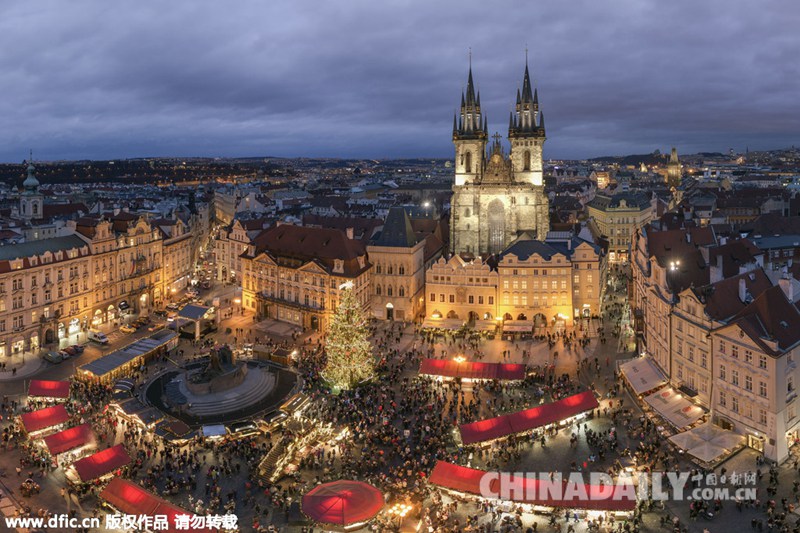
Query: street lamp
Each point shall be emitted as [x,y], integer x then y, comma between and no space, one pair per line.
[459,359]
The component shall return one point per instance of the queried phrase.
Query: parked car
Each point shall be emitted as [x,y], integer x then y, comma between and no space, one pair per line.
[64,354]
[98,336]
[173,307]
[125,328]
[160,313]
[78,348]
[53,357]
[69,350]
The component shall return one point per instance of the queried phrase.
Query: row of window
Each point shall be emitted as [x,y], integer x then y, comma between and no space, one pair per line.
[748,407]
[748,381]
[470,299]
[401,270]
[748,354]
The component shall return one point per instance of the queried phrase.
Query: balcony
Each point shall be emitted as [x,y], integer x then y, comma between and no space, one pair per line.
[291,303]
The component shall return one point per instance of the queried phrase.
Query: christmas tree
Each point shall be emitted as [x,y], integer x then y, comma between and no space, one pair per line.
[347,346]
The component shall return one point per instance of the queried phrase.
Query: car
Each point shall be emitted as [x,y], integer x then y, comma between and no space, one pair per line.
[70,351]
[98,336]
[64,354]
[160,313]
[173,307]
[78,348]
[127,329]
[171,317]
[53,357]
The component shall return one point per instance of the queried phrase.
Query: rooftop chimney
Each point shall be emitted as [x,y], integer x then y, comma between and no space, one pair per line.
[742,290]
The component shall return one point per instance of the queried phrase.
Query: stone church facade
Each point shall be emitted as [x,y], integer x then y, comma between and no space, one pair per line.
[497,196]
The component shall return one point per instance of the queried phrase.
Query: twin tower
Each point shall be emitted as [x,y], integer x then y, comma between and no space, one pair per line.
[496,197]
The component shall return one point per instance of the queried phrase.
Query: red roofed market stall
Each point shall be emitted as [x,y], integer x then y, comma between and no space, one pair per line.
[471,369]
[468,480]
[129,498]
[536,417]
[343,502]
[44,418]
[48,389]
[69,439]
[102,463]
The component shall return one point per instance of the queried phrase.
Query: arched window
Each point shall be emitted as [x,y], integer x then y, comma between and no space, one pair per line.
[378,290]
[467,212]
[526,160]
[401,270]
[389,291]
[389,269]
[468,165]
[401,291]
[377,269]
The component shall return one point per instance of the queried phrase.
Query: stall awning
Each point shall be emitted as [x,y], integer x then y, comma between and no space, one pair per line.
[129,498]
[48,389]
[471,369]
[674,407]
[44,418]
[102,463]
[217,430]
[485,325]
[517,326]
[69,439]
[443,323]
[343,502]
[642,374]
[503,426]
[594,497]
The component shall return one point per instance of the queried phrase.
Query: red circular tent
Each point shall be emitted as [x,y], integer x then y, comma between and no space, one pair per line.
[342,502]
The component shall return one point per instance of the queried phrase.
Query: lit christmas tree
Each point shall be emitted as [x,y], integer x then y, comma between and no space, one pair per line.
[347,345]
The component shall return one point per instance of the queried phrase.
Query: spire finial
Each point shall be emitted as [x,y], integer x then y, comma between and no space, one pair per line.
[30,157]
[470,58]
[526,53]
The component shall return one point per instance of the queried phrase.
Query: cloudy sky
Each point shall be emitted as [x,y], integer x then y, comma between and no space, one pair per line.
[99,79]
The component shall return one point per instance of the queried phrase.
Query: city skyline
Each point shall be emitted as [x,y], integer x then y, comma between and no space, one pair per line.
[383,81]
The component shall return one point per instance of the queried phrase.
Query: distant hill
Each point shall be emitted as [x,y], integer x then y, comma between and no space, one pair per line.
[636,160]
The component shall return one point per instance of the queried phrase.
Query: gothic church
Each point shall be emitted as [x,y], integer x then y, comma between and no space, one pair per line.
[496,197]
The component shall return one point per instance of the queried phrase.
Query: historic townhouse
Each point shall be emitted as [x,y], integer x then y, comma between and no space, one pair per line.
[294,274]
[544,283]
[45,291]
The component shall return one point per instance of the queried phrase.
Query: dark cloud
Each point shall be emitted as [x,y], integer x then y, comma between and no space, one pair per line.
[92,79]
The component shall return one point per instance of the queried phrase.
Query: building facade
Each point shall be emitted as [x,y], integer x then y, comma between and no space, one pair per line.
[294,274]
[548,283]
[398,269]
[496,198]
[617,218]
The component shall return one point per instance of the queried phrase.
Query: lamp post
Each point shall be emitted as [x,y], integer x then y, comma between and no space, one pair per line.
[399,512]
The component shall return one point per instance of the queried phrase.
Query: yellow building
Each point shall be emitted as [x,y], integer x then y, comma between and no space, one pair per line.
[45,291]
[544,284]
[294,274]
[399,256]
[617,218]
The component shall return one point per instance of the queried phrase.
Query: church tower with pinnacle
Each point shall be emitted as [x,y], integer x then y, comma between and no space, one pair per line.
[497,196]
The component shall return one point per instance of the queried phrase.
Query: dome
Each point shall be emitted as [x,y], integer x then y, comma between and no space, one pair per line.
[30,183]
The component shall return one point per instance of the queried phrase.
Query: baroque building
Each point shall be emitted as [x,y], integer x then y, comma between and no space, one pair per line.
[497,196]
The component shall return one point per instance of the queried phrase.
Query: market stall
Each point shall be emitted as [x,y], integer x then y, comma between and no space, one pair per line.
[129,498]
[674,407]
[77,440]
[471,369]
[462,479]
[38,423]
[101,464]
[530,419]
[343,503]
[49,390]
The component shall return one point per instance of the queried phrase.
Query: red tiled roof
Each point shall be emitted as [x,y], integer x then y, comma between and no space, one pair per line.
[771,317]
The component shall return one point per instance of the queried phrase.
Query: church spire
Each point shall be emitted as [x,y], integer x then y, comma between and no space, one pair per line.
[527,121]
[471,121]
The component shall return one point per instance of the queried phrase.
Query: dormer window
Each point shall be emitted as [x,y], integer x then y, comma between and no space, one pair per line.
[338,265]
